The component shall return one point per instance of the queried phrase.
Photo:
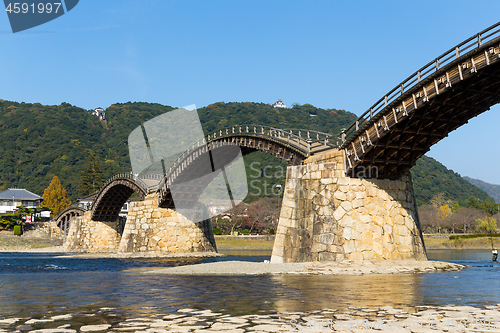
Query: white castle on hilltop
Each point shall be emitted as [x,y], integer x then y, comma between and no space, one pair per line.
[279,104]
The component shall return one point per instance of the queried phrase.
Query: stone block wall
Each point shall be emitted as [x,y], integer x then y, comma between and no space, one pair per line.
[327,216]
[148,229]
[92,236]
[161,230]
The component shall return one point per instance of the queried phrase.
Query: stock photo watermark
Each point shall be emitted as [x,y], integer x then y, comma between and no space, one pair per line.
[28,14]
[173,145]
[263,176]
[263,179]
[363,172]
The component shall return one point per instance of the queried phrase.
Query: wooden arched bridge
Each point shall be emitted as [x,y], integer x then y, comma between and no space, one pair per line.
[396,131]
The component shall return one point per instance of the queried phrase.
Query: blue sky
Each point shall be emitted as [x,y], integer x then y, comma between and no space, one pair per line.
[332,54]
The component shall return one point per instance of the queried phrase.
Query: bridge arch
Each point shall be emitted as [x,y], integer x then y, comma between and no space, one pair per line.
[65,217]
[113,195]
[291,145]
[437,99]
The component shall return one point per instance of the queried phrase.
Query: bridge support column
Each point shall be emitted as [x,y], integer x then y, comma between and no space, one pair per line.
[326,216]
[162,230]
[92,236]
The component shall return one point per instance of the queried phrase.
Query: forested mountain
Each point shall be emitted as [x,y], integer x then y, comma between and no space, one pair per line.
[40,141]
[431,178]
[492,189]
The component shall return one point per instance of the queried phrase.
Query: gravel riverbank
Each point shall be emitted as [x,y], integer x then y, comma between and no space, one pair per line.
[10,243]
[347,267]
[424,319]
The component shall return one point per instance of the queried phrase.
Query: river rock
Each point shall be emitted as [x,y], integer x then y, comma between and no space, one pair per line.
[9,321]
[94,328]
[39,321]
[62,317]
[54,330]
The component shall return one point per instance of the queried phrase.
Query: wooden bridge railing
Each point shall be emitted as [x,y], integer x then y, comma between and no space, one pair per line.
[131,177]
[413,80]
[70,207]
[306,141]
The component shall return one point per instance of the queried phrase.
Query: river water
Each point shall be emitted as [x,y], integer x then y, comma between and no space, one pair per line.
[34,285]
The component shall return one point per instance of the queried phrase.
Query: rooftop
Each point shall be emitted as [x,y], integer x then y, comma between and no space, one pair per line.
[19,194]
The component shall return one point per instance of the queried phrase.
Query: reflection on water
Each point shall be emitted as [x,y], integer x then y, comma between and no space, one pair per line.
[339,292]
[33,285]
[481,255]
[246,253]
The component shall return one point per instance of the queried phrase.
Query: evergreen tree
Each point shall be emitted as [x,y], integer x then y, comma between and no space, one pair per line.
[55,197]
[91,177]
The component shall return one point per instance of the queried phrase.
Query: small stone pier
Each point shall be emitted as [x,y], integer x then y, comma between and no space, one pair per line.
[328,216]
[148,229]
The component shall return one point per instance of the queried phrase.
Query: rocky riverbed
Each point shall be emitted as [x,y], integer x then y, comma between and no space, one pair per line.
[355,319]
[9,243]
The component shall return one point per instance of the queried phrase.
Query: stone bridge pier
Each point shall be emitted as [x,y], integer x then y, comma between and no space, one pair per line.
[148,228]
[328,216]
[92,236]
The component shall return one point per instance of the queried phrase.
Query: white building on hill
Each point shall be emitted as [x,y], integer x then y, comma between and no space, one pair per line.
[99,112]
[279,104]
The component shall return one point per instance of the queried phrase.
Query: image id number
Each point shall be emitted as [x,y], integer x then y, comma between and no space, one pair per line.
[25,8]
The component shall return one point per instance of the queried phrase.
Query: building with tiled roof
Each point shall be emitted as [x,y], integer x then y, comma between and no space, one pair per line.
[13,197]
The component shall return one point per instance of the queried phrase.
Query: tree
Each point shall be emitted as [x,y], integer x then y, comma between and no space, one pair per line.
[487,225]
[465,219]
[444,212]
[55,197]
[91,177]
[428,218]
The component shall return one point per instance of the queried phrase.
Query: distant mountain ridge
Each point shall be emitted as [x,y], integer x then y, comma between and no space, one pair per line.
[492,189]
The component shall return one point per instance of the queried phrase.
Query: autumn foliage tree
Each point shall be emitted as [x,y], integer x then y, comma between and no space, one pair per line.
[55,197]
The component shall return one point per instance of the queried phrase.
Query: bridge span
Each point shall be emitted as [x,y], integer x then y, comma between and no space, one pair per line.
[420,111]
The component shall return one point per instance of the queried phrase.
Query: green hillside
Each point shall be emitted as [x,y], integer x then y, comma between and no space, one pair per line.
[41,141]
[431,177]
[492,189]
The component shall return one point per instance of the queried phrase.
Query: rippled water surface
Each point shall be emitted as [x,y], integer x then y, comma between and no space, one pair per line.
[37,284]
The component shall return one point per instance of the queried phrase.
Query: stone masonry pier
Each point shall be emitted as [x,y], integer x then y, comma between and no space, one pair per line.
[92,236]
[148,229]
[162,230]
[328,216]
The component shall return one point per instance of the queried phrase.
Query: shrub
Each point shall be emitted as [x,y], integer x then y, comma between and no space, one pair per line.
[474,236]
[244,232]
[217,231]
[272,231]
[17,230]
